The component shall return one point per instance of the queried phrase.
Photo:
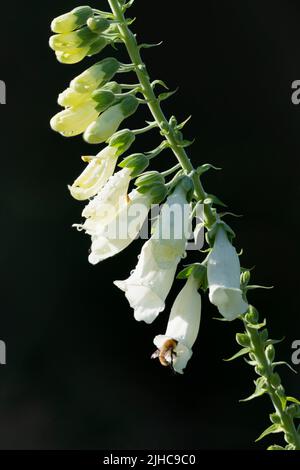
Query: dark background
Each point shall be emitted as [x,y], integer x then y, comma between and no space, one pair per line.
[78,373]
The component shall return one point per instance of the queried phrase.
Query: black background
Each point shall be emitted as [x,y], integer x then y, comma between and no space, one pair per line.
[78,373]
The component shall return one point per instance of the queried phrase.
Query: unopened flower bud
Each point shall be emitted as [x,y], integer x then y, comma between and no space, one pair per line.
[109,121]
[98,25]
[242,339]
[64,42]
[137,163]
[95,75]
[270,352]
[122,140]
[71,20]
[103,99]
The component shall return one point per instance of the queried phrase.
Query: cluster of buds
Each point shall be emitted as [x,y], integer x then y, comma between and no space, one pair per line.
[118,202]
[80,33]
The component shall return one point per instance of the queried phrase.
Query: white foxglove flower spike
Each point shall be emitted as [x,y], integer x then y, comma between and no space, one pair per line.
[223,272]
[175,346]
[149,284]
[95,175]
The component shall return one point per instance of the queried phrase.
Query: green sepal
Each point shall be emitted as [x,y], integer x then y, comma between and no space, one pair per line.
[197,270]
[103,98]
[275,447]
[212,231]
[129,105]
[97,46]
[148,178]
[240,353]
[122,140]
[157,193]
[274,428]
[137,162]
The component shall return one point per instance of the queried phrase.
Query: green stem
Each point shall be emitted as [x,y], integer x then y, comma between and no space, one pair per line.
[266,371]
[154,105]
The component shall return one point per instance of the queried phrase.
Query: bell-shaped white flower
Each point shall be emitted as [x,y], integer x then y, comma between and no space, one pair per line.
[95,175]
[122,227]
[223,272]
[148,286]
[105,205]
[174,348]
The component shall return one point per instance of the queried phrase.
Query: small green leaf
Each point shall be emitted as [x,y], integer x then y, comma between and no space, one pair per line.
[284,363]
[257,326]
[146,45]
[159,82]
[259,389]
[274,428]
[211,198]
[240,353]
[205,167]
[185,143]
[182,124]
[293,400]
[259,287]
[164,96]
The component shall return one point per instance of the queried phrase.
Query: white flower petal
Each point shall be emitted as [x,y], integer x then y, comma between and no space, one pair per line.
[223,272]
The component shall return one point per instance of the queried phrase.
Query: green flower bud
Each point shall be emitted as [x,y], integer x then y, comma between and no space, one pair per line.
[156,192]
[64,42]
[149,178]
[112,86]
[252,315]
[97,46]
[259,369]
[293,410]
[98,25]
[275,419]
[121,140]
[264,334]
[188,186]
[109,121]
[71,20]
[275,379]
[71,57]
[137,162]
[270,352]
[103,98]
[242,339]
[245,278]
[95,75]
